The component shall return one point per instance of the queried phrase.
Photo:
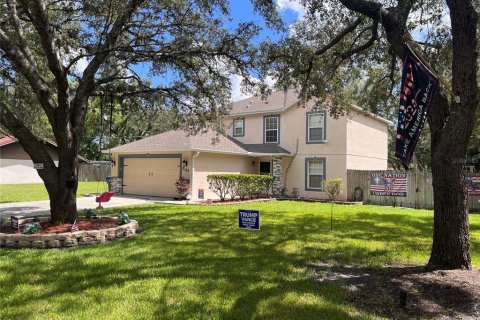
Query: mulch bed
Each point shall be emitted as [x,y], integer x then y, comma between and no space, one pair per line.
[408,292]
[82,223]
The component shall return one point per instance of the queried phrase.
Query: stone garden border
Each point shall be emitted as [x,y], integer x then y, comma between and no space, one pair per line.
[68,239]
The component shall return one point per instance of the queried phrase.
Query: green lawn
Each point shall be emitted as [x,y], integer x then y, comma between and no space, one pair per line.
[37,191]
[191,262]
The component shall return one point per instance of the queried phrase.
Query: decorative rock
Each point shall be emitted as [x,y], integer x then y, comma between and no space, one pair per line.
[70,239]
[38,244]
[24,244]
[54,244]
[70,242]
[11,244]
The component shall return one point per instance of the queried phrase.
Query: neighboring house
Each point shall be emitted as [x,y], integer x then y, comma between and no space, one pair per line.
[16,165]
[262,139]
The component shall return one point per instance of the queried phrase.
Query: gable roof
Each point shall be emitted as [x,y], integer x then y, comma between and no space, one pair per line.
[6,140]
[280,101]
[276,102]
[181,140]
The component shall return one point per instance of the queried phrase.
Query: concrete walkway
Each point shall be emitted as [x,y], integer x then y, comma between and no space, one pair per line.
[37,208]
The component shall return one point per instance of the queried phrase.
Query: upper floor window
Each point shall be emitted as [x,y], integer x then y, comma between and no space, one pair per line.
[272,129]
[239,127]
[316,129]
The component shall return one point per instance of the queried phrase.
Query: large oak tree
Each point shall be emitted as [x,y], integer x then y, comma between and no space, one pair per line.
[350,50]
[183,46]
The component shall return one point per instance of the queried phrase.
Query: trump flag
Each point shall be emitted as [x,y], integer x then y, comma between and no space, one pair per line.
[418,86]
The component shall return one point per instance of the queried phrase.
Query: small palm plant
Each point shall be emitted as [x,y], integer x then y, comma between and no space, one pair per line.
[333,188]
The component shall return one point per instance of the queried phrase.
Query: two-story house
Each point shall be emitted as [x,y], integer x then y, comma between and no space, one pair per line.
[299,146]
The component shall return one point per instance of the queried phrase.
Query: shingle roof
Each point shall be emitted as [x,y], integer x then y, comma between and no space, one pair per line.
[280,101]
[210,141]
[175,140]
[276,102]
[260,148]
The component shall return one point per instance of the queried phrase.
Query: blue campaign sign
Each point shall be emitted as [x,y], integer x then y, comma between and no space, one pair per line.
[249,219]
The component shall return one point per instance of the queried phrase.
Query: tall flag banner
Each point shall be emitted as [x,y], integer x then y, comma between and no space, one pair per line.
[473,186]
[388,184]
[418,86]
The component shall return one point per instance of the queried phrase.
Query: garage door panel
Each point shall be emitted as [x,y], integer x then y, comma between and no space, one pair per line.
[151,176]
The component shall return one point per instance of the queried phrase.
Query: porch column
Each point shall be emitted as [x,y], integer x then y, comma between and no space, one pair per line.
[277,175]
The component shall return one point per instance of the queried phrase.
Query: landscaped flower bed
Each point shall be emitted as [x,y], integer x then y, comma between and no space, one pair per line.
[91,231]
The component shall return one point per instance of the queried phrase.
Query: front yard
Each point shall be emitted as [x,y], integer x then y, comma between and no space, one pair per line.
[192,262]
[36,191]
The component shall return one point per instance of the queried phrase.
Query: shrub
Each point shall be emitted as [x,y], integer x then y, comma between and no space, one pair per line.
[220,184]
[332,187]
[90,213]
[182,186]
[123,218]
[31,228]
[241,185]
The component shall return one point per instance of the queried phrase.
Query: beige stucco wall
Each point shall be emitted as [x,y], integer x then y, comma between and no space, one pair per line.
[352,142]
[367,143]
[208,163]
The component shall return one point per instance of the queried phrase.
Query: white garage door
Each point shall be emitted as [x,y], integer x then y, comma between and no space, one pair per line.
[151,176]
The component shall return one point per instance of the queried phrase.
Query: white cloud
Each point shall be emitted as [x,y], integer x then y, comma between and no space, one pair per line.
[237,93]
[293,5]
[81,64]
[236,81]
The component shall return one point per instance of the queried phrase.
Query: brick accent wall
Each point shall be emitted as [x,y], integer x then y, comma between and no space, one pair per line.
[277,175]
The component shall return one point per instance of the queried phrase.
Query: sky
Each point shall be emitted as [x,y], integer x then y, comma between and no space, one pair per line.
[242,11]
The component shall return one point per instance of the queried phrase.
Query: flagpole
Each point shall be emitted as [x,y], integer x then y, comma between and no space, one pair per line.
[413,45]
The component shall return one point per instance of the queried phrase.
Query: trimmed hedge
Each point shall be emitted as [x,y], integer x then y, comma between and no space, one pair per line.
[239,185]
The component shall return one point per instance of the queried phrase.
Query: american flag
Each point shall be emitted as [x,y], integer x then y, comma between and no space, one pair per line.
[388,184]
[74,226]
[473,186]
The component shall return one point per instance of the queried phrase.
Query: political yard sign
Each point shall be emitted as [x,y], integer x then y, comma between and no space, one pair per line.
[249,219]
[418,87]
[388,184]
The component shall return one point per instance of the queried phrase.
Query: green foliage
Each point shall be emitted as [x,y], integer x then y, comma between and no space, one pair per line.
[182,185]
[123,218]
[185,268]
[31,228]
[332,187]
[241,185]
[90,213]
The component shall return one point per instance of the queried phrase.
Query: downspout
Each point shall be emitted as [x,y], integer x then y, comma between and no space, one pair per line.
[193,173]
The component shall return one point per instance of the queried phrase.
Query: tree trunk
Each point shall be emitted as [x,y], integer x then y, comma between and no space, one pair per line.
[451,243]
[63,204]
[450,133]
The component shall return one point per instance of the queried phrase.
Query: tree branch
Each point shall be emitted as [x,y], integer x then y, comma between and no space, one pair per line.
[41,22]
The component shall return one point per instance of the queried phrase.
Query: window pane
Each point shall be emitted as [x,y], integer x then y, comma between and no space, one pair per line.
[314,120]
[238,131]
[315,181]
[315,167]
[271,123]
[271,136]
[316,134]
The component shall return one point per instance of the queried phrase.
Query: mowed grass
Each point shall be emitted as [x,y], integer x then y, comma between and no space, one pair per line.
[192,262]
[36,191]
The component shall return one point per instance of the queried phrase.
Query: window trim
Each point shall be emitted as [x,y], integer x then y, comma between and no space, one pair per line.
[243,127]
[265,128]
[307,128]
[324,160]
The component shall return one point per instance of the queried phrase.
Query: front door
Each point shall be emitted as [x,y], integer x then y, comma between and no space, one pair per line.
[266,167]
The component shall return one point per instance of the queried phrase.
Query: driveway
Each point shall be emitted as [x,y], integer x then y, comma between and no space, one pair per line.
[35,208]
